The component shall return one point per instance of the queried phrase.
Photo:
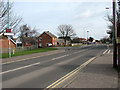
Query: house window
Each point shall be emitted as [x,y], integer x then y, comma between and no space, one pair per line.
[40,38]
[40,44]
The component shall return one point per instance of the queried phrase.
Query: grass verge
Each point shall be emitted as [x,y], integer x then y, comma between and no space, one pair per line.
[6,55]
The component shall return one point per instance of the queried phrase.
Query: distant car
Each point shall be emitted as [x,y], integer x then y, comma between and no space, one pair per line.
[94,43]
[107,42]
[49,44]
[28,44]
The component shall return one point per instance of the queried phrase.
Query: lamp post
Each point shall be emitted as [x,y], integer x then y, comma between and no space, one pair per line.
[8,28]
[114,35]
[118,35]
[87,36]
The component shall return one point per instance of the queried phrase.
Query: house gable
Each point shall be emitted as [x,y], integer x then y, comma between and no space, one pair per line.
[45,38]
[4,40]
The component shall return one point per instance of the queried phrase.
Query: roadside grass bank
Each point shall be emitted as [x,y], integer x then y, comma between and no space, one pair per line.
[38,50]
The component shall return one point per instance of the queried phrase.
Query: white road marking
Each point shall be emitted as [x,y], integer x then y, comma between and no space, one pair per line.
[109,51]
[105,51]
[20,68]
[24,59]
[36,63]
[59,57]
[80,51]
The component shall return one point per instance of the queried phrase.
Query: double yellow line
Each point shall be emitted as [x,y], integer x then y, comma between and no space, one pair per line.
[59,81]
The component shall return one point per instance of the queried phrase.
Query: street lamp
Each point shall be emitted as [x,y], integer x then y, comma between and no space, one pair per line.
[8,28]
[87,34]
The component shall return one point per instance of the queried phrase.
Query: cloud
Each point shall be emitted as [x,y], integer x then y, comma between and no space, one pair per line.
[61,0]
[89,13]
[48,16]
[85,14]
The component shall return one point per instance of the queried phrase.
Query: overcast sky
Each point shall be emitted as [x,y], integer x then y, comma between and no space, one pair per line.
[83,16]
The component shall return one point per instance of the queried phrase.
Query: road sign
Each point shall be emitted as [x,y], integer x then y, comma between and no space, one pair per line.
[8,30]
[8,34]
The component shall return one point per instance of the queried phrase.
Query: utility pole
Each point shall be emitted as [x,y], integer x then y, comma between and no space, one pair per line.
[114,36]
[8,28]
[87,35]
[118,35]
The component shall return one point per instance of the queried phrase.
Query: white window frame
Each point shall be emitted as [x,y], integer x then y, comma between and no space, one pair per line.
[40,39]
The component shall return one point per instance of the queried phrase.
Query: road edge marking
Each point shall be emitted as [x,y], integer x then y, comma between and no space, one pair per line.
[62,79]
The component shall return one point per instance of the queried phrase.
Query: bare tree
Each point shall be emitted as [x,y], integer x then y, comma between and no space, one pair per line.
[111,23]
[110,20]
[28,35]
[14,20]
[65,31]
[105,39]
[91,39]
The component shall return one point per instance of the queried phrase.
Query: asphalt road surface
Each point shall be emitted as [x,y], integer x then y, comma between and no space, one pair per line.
[43,71]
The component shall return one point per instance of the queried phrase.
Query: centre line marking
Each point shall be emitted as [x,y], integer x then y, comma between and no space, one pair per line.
[25,59]
[80,51]
[60,57]
[59,81]
[20,68]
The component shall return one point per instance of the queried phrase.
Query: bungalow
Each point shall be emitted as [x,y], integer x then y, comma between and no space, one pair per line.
[47,39]
[4,43]
[61,42]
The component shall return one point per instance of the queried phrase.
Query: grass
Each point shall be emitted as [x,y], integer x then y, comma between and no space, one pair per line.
[6,55]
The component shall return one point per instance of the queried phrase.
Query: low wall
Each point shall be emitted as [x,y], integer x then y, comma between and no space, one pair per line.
[74,44]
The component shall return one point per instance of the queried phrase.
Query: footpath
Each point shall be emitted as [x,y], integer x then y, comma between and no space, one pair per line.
[97,74]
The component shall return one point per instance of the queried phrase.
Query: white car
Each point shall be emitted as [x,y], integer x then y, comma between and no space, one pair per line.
[49,44]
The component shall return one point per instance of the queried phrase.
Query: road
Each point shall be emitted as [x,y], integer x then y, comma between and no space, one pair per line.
[43,71]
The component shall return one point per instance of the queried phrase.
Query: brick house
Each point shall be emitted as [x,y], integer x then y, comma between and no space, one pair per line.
[4,43]
[46,39]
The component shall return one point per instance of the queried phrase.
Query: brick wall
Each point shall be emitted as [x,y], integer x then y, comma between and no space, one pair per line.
[4,45]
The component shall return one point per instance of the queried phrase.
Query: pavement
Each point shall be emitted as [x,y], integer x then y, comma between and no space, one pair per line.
[97,74]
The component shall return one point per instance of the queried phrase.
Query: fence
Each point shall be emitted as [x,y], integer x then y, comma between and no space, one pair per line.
[18,49]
